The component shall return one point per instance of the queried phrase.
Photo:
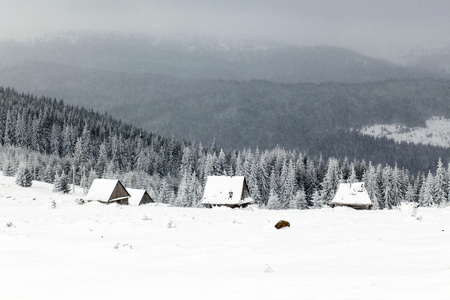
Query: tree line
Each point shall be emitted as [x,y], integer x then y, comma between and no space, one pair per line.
[60,144]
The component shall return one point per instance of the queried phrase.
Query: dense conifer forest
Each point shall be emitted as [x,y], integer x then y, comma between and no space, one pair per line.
[45,139]
[314,118]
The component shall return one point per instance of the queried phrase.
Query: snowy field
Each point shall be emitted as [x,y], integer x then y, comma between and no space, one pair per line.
[435,133]
[94,251]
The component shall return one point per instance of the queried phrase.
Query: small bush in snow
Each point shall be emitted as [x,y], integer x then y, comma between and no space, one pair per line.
[268,269]
[145,218]
[79,201]
[171,224]
[126,246]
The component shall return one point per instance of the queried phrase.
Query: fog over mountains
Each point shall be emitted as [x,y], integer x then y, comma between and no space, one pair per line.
[203,58]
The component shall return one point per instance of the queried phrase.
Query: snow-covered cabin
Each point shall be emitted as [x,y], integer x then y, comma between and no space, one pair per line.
[226,191]
[139,197]
[108,191]
[352,195]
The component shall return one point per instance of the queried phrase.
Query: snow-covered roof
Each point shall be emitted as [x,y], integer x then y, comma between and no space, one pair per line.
[102,189]
[136,196]
[226,190]
[352,194]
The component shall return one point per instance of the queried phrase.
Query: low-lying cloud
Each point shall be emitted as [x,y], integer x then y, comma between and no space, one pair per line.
[381,28]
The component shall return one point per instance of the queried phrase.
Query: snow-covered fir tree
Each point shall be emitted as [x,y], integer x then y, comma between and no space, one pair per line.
[92,176]
[183,198]
[429,191]
[411,194]
[441,184]
[8,168]
[61,183]
[317,200]
[298,201]
[331,181]
[23,176]
[274,201]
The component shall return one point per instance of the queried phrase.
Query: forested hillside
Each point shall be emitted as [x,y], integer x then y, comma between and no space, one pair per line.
[51,140]
[307,117]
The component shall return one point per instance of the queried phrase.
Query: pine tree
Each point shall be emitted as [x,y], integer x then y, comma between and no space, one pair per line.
[441,184]
[397,188]
[221,164]
[163,191]
[61,183]
[8,167]
[410,194]
[49,173]
[21,130]
[274,201]
[380,187]
[9,134]
[265,177]
[390,202]
[239,165]
[55,139]
[86,143]
[317,199]
[183,197]
[68,139]
[331,181]
[422,189]
[345,170]
[299,200]
[36,135]
[24,176]
[110,172]
[429,193]
[78,152]
[195,191]
[92,177]
[253,180]
[209,164]
[370,179]
[352,177]
[102,160]
[289,185]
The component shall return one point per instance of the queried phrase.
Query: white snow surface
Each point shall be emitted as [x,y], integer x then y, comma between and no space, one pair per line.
[101,190]
[98,251]
[224,190]
[352,193]
[436,132]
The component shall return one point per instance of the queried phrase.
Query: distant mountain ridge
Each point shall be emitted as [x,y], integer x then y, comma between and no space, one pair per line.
[197,58]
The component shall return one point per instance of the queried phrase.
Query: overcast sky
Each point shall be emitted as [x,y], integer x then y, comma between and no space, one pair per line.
[381,28]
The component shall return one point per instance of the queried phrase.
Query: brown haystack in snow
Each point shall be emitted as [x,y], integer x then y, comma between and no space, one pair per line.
[282,224]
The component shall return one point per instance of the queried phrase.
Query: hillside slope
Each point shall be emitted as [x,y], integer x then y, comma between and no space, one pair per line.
[76,251]
[312,118]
